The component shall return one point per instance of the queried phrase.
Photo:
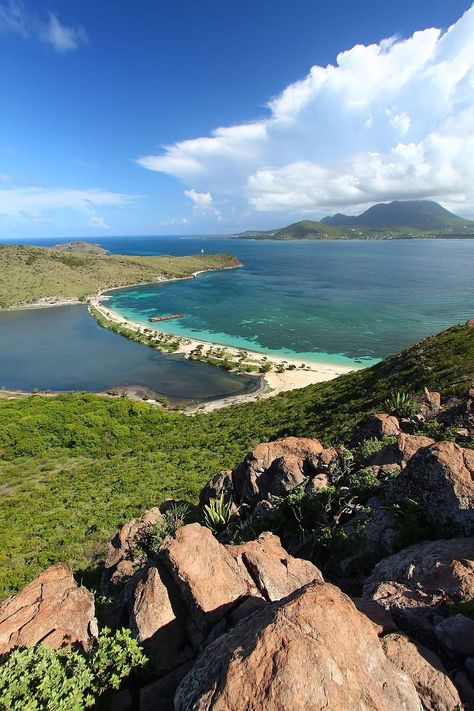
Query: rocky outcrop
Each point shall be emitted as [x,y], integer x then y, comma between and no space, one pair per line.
[440,478]
[209,578]
[275,572]
[417,583]
[52,609]
[376,426]
[125,553]
[218,484]
[401,452]
[456,635]
[157,618]
[381,618]
[312,650]
[434,687]
[408,445]
[274,468]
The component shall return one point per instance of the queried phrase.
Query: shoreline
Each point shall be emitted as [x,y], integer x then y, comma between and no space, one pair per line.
[291,378]
[284,374]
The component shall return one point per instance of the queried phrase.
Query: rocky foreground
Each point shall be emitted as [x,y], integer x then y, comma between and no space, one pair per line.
[329,578]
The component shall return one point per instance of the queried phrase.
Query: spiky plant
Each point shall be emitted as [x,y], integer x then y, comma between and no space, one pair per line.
[218,514]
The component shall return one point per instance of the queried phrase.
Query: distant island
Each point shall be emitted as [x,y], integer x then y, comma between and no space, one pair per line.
[400,219]
[46,276]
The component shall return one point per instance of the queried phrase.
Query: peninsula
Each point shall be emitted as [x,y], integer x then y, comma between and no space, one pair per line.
[43,276]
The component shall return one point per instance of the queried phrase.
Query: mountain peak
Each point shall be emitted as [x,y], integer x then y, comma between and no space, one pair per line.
[420,214]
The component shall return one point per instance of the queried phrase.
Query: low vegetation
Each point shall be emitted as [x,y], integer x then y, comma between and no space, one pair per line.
[73,468]
[40,678]
[33,273]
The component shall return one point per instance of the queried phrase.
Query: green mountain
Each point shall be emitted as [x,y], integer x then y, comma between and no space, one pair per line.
[394,220]
[420,214]
[73,468]
[305,229]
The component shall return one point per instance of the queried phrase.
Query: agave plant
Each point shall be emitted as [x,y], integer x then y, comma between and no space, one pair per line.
[218,514]
[402,404]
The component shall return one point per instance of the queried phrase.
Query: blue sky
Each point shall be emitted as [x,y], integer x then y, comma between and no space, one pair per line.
[160,117]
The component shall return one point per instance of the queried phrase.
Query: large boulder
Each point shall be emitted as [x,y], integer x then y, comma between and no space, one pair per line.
[456,635]
[417,583]
[434,687]
[378,425]
[400,452]
[440,478]
[274,468]
[275,572]
[209,578]
[218,484]
[125,552]
[52,609]
[157,618]
[312,650]
[381,618]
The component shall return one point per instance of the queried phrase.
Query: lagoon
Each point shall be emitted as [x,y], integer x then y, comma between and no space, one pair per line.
[63,348]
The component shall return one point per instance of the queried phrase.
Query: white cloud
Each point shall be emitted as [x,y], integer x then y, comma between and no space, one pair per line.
[388,120]
[15,18]
[200,200]
[30,203]
[4,178]
[99,222]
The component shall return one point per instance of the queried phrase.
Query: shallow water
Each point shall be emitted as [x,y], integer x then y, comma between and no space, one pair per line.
[337,302]
[63,348]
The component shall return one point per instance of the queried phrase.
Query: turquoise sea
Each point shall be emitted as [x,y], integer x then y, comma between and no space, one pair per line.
[337,302]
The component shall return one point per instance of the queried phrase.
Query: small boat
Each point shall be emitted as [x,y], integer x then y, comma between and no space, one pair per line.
[155,319]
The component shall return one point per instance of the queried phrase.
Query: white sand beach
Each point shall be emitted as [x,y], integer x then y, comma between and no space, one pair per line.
[273,382]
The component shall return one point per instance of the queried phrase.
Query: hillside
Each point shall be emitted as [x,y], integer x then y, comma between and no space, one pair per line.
[305,229]
[394,220]
[81,246]
[419,214]
[33,273]
[75,467]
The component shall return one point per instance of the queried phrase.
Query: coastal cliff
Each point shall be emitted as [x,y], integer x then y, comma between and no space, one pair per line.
[315,572]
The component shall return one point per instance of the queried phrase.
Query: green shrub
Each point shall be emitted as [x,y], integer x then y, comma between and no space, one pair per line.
[38,678]
[218,514]
[301,512]
[175,517]
[363,481]
[414,526]
[369,447]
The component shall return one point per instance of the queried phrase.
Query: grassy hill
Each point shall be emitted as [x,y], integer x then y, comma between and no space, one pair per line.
[305,229]
[394,220]
[75,467]
[32,273]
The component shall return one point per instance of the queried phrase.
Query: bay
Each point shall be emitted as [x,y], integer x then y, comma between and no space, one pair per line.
[335,302]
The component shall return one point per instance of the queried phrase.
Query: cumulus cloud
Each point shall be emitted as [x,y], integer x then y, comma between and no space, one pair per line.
[200,200]
[391,120]
[15,18]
